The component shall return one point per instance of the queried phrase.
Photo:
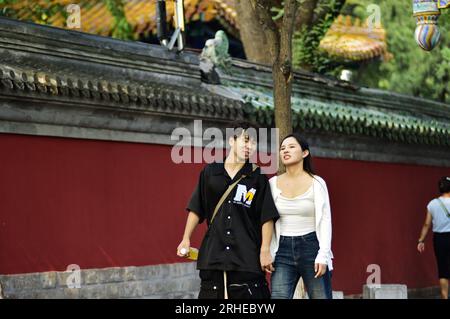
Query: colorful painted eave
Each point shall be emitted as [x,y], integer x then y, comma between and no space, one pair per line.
[348,40]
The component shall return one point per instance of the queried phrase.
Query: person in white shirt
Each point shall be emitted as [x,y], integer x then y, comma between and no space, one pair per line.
[301,243]
[438,214]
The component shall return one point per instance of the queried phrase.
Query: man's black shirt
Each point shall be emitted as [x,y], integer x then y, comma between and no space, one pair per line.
[233,241]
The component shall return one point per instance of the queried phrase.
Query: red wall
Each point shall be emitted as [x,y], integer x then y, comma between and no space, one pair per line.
[103,204]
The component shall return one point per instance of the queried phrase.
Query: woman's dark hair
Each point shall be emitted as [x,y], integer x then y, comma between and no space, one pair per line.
[307,161]
[444,185]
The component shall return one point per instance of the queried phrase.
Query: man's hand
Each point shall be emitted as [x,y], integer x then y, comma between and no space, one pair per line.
[266,261]
[191,223]
[185,244]
[320,270]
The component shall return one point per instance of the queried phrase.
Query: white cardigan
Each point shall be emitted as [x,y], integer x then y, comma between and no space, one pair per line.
[323,221]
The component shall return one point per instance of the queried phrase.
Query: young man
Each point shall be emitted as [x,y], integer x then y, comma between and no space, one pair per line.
[235,252]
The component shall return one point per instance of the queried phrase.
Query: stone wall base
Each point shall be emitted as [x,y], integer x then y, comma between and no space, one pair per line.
[168,281]
[175,281]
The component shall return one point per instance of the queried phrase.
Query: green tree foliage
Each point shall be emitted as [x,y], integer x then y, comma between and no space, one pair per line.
[411,70]
[306,52]
[121,28]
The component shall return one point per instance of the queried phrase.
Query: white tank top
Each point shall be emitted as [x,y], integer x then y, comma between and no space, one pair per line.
[297,215]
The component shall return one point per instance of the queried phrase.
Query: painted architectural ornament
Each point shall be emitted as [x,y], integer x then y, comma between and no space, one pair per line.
[427,12]
[443,4]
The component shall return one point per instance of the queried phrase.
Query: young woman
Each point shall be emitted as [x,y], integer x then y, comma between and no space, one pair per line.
[301,243]
[438,214]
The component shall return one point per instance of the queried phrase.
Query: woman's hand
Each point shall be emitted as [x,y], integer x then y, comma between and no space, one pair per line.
[320,270]
[266,261]
[424,231]
[421,247]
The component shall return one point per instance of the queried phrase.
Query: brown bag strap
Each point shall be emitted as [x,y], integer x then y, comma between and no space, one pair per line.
[227,192]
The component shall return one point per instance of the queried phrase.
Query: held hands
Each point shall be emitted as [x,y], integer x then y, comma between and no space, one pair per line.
[266,261]
[320,270]
[185,244]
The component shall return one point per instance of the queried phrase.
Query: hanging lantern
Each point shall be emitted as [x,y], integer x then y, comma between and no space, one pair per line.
[427,32]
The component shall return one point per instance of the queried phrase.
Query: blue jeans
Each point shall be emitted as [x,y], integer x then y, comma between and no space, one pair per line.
[294,259]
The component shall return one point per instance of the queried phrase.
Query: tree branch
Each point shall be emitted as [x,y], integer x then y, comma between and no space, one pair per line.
[262,10]
[332,9]
[306,13]
[290,11]
[287,31]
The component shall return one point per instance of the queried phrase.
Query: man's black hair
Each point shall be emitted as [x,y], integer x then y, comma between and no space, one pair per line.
[240,126]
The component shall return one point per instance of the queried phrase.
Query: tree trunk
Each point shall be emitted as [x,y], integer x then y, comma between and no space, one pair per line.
[282,72]
[282,88]
[279,49]
[252,37]
[256,19]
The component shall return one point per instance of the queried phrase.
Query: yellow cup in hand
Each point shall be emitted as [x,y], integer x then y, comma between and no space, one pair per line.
[191,254]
